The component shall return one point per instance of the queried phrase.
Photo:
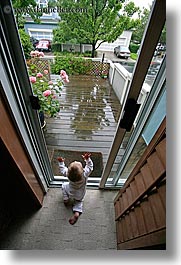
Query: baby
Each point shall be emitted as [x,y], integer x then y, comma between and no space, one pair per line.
[76,188]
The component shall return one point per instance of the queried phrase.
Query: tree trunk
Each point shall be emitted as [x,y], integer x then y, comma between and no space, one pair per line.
[80,47]
[93,49]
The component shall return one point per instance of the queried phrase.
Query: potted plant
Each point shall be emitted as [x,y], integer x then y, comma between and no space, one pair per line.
[104,74]
[46,91]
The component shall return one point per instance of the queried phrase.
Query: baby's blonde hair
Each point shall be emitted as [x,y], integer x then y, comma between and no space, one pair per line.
[75,171]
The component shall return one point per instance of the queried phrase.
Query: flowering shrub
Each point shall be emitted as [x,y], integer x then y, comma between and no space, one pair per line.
[73,65]
[64,76]
[104,74]
[46,90]
[36,54]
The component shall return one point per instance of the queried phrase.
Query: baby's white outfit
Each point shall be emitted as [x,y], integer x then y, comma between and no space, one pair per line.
[76,190]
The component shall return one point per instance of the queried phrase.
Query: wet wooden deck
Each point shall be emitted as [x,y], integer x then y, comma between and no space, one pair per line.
[87,119]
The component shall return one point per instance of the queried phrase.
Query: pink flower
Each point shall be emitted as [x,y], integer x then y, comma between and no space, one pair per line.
[50,83]
[41,54]
[33,53]
[32,79]
[39,75]
[36,54]
[45,72]
[65,79]
[63,73]
[47,93]
[64,76]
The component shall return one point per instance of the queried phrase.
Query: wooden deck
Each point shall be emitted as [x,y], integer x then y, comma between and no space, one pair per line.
[87,119]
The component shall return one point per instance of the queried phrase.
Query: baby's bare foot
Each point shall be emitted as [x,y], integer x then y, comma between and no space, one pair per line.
[74,218]
[66,202]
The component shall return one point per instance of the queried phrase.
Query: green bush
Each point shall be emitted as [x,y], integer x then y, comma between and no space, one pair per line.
[74,54]
[134,56]
[134,47]
[72,65]
[56,47]
[26,43]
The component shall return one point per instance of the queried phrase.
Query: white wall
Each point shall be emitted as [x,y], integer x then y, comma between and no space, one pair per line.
[119,78]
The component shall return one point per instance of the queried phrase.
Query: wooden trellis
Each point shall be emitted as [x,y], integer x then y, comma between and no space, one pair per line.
[41,65]
[96,68]
[99,69]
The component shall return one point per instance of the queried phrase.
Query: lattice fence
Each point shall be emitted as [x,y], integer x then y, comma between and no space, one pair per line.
[41,65]
[99,69]
[95,68]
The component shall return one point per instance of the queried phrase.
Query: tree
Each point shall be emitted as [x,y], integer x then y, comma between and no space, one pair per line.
[140,26]
[22,7]
[94,21]
[26,43]
[139,29]
[63,34]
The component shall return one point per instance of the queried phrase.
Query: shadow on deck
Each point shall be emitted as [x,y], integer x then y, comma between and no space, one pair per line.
[87,119]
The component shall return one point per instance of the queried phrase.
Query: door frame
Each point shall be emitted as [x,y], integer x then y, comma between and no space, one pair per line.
[17,92]
[156,92]
[150,39]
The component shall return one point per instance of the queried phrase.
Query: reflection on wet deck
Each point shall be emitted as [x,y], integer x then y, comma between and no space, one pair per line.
[87,119]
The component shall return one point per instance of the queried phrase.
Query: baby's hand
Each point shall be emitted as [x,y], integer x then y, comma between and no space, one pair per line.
[60,159]
[86,156]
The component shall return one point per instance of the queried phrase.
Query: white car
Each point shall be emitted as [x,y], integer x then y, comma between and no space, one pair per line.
[122,51]
[44,45]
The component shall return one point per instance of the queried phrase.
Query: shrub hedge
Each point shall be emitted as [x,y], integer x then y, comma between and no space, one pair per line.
[72,65]
[134,47]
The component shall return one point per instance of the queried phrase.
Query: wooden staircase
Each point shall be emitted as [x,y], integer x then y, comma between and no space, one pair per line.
[140,206]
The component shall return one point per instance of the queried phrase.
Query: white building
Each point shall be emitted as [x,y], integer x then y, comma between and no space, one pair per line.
[124,40]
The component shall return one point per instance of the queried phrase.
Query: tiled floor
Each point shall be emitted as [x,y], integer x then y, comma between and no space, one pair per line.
[49,229]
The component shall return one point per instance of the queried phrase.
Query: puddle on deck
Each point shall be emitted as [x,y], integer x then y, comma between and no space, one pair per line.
[88,105]
[88,117]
